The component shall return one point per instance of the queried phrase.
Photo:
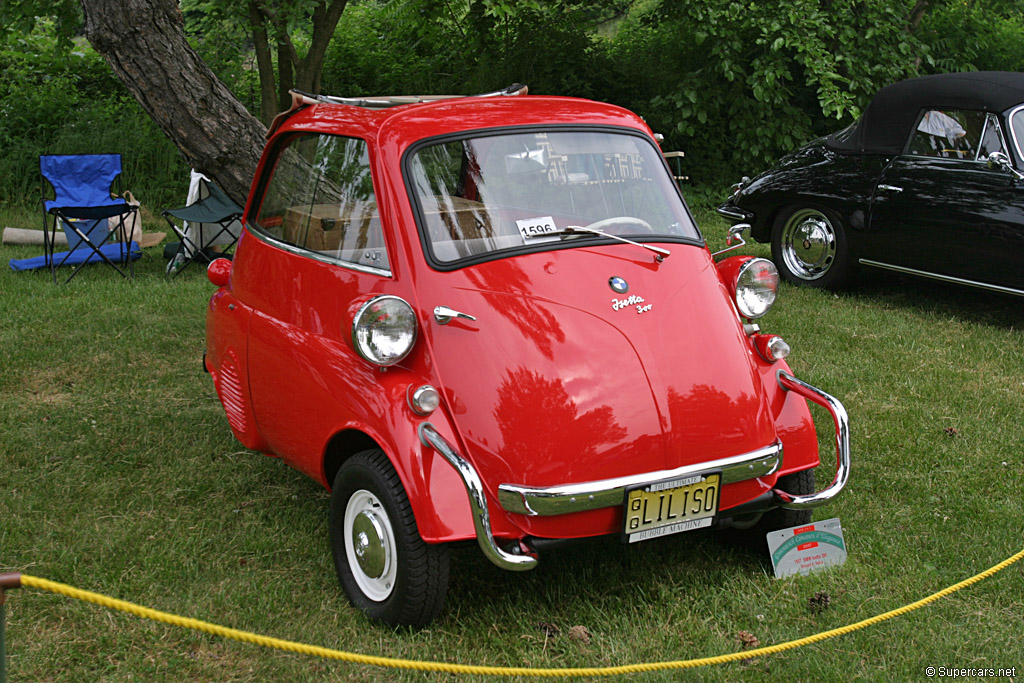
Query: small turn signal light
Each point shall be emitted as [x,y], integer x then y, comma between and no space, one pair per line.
[219,271]
[424,400]
[771,347]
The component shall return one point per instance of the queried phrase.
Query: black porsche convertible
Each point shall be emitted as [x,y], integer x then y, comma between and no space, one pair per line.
[927,182]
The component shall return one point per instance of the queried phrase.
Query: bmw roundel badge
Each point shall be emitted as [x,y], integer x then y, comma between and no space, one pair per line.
[618,285]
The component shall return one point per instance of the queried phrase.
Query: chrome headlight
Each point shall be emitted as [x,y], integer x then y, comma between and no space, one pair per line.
[384,330]
[757,284]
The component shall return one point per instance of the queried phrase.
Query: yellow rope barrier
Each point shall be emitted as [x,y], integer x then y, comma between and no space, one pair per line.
[300,648]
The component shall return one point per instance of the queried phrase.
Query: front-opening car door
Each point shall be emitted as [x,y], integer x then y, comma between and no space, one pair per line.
[318,207]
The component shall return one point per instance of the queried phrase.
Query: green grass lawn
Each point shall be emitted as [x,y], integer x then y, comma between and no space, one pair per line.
[118,474]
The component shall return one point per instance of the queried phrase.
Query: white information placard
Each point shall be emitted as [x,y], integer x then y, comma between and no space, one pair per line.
[807,548]
[537,229]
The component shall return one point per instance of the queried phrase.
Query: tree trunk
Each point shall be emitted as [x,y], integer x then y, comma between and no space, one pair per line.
[264,64]
[144,42]
[285,74]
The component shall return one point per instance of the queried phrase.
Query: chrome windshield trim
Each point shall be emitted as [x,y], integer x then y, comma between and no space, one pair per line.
[802,502]
[943,278]
[1013,130]
[315,255]
[591,495]
[477,502]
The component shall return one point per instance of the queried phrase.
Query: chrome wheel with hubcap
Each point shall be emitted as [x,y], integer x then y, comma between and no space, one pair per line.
[809,247]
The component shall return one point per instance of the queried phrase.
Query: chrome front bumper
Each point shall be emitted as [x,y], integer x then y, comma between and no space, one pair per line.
[568,498]
[591,495]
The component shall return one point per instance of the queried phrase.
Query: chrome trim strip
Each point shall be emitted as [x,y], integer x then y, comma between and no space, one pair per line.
[315,255]
[591,495]
[477,502]
[838,412]
[1013,130]
[943,278]
[984,129]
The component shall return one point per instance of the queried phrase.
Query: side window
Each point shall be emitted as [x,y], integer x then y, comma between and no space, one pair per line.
[950,134]
[320,198]
[991,139]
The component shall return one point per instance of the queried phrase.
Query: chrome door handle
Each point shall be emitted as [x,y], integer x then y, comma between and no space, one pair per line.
[444,315]
[890,188]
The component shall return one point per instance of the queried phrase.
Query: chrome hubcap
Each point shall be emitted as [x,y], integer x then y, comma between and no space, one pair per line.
[808,244]
[370,545]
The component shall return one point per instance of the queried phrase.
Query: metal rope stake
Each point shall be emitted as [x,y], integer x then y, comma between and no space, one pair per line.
[7,581]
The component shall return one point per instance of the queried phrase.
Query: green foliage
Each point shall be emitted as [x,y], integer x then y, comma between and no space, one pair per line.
[733,83]
[55,100]
[20,17]
[968,36]
[425,46]
[219,33]
[390,48]
[750,81]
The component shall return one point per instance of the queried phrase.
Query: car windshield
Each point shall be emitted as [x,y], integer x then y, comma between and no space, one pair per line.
[500,192]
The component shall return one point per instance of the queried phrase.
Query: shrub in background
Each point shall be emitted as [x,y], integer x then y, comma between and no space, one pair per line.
[54,101]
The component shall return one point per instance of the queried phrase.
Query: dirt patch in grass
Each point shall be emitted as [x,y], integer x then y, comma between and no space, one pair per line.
[52,387]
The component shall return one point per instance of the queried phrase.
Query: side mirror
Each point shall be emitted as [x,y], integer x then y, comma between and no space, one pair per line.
[735,233]
[999,161]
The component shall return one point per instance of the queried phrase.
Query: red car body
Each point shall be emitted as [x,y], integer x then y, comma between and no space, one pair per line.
[553,389]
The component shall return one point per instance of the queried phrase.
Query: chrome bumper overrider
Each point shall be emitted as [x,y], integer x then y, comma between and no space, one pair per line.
[838,412]
[477,502]
[732,213]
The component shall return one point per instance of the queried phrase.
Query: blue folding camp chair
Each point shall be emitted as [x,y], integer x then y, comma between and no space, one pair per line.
[87,212]
[211,219]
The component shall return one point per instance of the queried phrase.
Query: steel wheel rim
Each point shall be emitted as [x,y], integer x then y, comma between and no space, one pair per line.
[370,545]
[808,244]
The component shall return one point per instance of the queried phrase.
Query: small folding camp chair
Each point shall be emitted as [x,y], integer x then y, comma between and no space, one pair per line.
[87,212]
[212,219]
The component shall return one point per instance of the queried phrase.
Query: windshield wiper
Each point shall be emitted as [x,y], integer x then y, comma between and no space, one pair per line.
[659,253]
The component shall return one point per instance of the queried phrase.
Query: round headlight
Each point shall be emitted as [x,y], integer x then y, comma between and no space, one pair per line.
[384,330]
[757,283]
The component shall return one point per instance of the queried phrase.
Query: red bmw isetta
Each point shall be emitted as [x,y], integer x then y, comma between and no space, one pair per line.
[494,318]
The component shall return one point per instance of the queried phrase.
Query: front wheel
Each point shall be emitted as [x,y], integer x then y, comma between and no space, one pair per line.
[384,566]
[809,247]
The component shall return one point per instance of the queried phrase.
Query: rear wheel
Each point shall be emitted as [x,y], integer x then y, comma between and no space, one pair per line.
[799,484]
[384,566]
[753,533]
[809,247]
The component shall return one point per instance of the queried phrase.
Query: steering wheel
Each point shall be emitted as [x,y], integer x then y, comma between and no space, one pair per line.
[617,220]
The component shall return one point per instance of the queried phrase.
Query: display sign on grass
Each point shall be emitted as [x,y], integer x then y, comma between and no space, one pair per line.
[807,548]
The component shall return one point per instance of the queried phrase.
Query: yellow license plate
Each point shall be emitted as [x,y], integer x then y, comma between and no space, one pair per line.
[671,507]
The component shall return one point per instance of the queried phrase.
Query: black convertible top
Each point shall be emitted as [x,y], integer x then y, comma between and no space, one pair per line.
[884,126]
